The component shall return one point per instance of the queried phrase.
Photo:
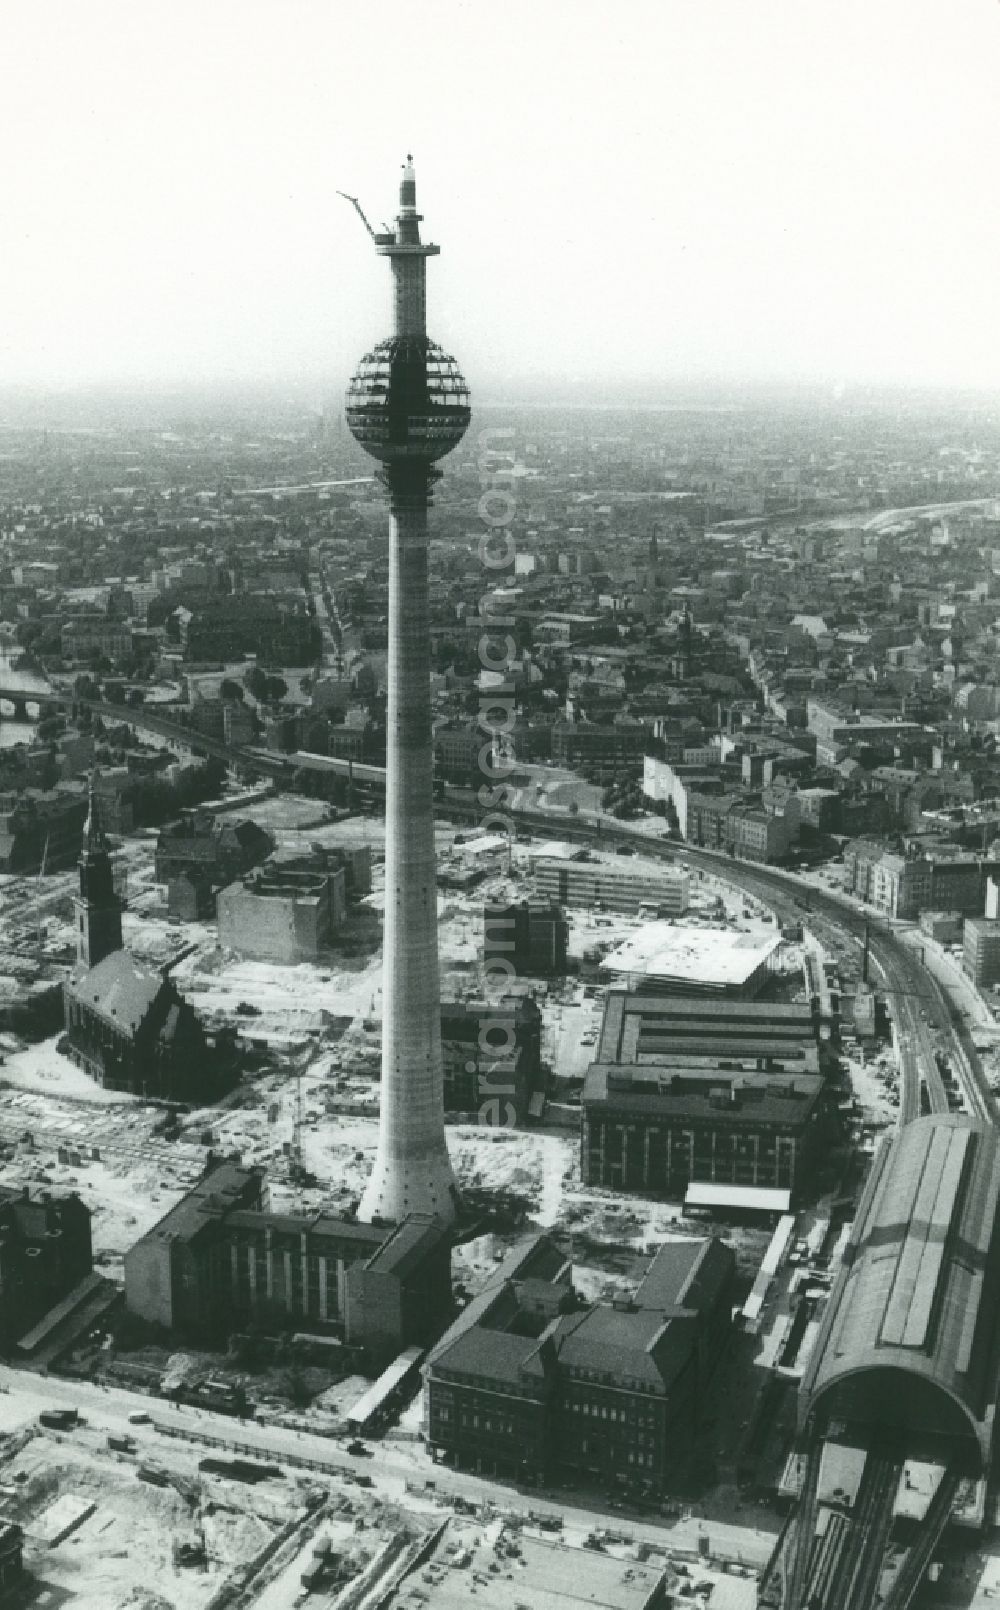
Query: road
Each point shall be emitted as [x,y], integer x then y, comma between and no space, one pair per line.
[107,1409]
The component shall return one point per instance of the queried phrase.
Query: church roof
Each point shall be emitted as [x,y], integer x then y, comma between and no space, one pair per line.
[120,989]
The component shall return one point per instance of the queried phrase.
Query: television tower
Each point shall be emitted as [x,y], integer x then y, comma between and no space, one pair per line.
[408,406]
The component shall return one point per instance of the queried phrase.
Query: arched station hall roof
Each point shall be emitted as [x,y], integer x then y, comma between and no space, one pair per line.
[911,1333]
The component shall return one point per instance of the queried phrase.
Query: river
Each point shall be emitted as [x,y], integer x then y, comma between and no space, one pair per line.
[16,732]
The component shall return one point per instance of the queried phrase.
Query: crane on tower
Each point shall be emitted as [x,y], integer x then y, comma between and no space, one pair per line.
[355,203]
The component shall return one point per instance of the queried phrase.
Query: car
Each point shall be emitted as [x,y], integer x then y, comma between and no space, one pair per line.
[139,1418]
[358,1449]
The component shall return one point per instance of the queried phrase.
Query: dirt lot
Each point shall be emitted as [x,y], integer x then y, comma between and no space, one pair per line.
[127,1551]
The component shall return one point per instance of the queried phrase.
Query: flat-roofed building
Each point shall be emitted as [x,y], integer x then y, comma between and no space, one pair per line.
[220,1259]
[600,883]
[662,1131]
[546,1580]
[281,915]
[662,959]
[746,1036]
[491,1051]
[981,951]
[581,743]
[457,754]
[530,936]
[683,1093]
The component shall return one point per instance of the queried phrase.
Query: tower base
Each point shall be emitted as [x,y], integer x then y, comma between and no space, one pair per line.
[400,1186]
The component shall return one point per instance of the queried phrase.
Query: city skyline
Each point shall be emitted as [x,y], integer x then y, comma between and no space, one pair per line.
[663,196]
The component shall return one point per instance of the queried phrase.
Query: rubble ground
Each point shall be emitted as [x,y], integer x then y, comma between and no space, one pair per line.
[325,1020]
[123,1553]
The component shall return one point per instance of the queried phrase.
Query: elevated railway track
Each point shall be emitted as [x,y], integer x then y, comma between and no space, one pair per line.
[923,1017]
[852,1555]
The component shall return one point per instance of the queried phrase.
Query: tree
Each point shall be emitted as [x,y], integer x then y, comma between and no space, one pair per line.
[297,1388]
[277,688]
[229,688]
[255,682]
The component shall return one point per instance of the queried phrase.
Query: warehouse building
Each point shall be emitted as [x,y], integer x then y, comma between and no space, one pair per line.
[748,1036]
[531,1381]
[722,1104]
[219,1259]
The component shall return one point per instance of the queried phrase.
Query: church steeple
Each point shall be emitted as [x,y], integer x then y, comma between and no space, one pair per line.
[98,909]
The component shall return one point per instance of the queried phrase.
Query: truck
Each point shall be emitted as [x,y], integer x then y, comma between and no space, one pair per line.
[59,1419]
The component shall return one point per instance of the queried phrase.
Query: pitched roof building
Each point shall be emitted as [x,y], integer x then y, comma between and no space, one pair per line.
[529,1379]
[127,1025]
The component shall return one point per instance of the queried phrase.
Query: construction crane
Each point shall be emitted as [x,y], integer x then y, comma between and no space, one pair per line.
[296,1167]
[298,1174]
[355,203]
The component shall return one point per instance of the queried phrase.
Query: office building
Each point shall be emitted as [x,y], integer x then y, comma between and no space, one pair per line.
[530,937]
[606,885]
[531,1382]
[45,1250]
[981,951]
[492,1058]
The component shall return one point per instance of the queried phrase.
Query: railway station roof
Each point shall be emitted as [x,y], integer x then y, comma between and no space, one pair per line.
[912,1330]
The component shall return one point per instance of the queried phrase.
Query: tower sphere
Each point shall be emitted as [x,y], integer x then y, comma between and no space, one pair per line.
[407,401]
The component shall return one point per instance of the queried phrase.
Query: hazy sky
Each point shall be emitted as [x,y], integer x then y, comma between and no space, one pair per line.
[762,189]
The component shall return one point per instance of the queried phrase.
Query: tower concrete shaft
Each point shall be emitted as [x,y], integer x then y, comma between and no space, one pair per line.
[414,409]
[412,1171]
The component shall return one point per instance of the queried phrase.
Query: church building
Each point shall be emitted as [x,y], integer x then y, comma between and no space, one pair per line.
[127,1025]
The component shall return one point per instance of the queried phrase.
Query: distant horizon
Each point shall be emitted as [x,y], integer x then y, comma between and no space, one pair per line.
[795,194]
[319,395]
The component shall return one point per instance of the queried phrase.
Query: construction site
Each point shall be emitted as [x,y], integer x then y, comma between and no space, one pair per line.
[305,1110]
